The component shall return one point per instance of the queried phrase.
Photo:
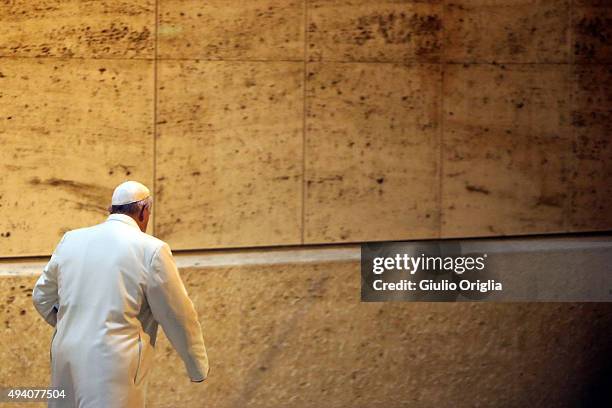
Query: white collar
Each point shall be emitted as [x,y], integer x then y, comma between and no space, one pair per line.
[123,218]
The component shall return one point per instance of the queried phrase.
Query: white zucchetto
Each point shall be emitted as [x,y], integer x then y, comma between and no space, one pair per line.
[129,192]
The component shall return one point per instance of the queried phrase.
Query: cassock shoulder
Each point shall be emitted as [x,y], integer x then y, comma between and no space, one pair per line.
[153,245]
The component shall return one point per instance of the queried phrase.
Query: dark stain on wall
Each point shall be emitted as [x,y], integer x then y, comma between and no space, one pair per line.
[593,36]
[477,189]
[90,196]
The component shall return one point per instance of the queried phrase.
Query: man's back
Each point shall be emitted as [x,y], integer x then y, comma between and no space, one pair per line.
[102,274]
[105,290]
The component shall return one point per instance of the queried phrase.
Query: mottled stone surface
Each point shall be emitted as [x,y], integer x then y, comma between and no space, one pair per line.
[70,131]
[25,339]
[229,153]
[382,31]
[371,152]
[506,149]
[297,335]
[222,29]
[23,334]
[231,94]
[507,31]
[217,295]
[77,28]
[591,204]
[592,30]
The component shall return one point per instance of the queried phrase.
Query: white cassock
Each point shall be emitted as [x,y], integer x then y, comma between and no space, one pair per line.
[105,290]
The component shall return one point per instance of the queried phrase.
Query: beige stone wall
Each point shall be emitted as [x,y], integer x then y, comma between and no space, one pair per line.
[296,335]
[274,122]
[268,122]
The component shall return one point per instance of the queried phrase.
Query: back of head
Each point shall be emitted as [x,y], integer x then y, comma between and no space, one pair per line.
[134,199]
[129,192]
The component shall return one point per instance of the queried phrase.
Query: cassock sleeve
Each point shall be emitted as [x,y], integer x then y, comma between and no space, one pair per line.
[44,295]
[174,310]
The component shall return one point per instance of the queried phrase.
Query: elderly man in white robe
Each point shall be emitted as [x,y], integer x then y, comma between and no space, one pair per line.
[105,290]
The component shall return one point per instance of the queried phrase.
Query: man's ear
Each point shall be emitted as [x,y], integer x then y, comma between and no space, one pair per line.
[141,215]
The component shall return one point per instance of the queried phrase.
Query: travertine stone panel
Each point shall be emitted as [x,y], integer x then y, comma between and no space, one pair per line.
[297,335]
[371,152]
[296,328]
[591,206]
[77,28]
[305,340]
[229,153]
[592,29]
[466,355]
[506,149]
[231,29]
[24,336]
[70,131]
[507,31]
[362,30]
[216,294]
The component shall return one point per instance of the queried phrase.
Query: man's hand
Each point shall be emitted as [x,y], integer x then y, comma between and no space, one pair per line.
[204,379]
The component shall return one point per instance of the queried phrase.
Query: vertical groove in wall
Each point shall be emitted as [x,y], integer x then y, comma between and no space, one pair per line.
[155,112]
[572,162]
[442,66]
[304,106]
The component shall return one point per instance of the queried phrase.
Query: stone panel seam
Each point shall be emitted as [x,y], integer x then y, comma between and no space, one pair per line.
[92,58]
[304,120]
[407,63]
[155,66]
[350,253]
[573,161]
[441,119]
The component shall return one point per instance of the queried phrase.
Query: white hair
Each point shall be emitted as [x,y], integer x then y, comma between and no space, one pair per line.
[132,208]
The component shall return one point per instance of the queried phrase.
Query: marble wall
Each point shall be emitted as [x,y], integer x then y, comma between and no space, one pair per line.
[297,335]
[274,122]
